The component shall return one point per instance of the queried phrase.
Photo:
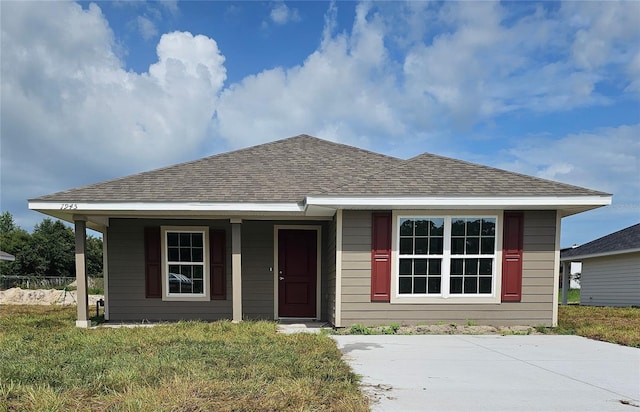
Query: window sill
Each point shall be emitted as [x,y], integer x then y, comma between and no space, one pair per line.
[451,300]
[186,298]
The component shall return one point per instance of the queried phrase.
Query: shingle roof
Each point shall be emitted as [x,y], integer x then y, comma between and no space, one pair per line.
[625,239]
[442,176]
[290,169]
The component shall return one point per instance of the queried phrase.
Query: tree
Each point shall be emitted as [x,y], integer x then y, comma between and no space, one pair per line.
[16,242]
[48,251]
[7,224]
[94,256]
[54,242]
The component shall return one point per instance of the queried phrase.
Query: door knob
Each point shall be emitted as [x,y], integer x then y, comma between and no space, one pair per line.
[281,278]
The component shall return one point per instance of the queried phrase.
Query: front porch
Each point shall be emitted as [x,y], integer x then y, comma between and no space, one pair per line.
[253,262]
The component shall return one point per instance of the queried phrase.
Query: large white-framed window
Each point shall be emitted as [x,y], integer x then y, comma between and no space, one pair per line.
[438,256]
[185,263]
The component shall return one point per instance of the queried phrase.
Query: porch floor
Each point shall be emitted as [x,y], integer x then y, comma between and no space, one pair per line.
[293,325]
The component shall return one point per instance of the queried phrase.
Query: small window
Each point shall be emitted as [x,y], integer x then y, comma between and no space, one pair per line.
[185,272]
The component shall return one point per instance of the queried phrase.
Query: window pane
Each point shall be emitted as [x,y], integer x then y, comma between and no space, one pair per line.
[473,246]
[185,254]
[486,266]
[488,227]
[405,266]
[404,285]
[471,266]
[406,246]
[197,254]
[435,267]
[420,285]
[455,285]
[471,285]
[421,246]
[420,267]
[186,271]
[473,227]
[457,227]
[196,239]
[434,285]
[437,227]
[456,266]
[173,254]
[485,285]
[186,287]
[488,247]
[457,246]
[198,286]
[422,227]
[198,273]
[185,239]
[172,239]
[406,227]
[435,246]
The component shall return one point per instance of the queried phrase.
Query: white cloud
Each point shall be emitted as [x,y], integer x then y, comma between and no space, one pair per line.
[486,61]
[71,114]
[401,74]
[606,159]
[146,27]
[282,14]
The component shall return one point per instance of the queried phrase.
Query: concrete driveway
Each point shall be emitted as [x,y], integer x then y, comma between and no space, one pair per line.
[494,373]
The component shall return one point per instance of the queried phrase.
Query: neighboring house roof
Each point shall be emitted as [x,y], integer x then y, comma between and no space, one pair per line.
[623,241]
[7,256]
[310,176]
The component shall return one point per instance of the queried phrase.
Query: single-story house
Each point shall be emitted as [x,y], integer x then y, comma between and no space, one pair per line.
[610,268]
[307,228]
[8,257]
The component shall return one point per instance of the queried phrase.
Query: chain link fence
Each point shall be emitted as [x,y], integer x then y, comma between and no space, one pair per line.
[44,282]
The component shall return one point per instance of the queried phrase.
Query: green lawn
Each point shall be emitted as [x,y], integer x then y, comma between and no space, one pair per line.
[46,363]
[573,296]
[615,325]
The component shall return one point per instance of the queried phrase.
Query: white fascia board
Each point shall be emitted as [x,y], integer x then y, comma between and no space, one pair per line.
[164,206]
[578,258]
[459,202]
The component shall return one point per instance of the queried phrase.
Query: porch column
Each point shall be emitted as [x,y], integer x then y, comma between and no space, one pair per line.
[566,268]
[236,268]
[81,272]
[105,273]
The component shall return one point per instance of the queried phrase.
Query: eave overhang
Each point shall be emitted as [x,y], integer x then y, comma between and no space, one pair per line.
[568,205]
[315,206]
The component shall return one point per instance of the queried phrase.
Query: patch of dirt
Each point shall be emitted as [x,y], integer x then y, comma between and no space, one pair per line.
[18,296]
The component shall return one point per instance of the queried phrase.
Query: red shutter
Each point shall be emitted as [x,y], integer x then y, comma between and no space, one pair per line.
[217,257]
[512,256]
[381,257]
[153,282]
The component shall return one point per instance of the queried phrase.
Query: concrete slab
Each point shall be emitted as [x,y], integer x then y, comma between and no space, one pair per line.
[494,373]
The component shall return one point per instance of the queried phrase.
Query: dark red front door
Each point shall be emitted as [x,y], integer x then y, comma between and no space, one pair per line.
[297,273]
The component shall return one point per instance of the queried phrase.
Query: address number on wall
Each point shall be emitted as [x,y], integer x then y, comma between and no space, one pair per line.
[68,206]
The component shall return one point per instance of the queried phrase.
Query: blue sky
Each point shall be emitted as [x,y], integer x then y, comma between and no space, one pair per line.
[93,91]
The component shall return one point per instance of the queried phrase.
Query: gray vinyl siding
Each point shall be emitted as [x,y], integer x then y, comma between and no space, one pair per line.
[611,280]
[536,307]
[127,301]
[331,272]
[257,269]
